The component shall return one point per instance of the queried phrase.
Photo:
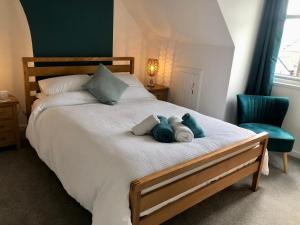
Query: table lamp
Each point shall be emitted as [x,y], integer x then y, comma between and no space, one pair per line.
[152,69]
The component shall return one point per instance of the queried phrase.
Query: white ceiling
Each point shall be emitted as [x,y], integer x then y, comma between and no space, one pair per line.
[191,21]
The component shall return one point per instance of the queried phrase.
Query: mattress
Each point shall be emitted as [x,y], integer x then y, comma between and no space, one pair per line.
[92,151]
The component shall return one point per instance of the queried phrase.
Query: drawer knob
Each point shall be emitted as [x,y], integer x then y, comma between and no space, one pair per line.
[2,126]
[3,138]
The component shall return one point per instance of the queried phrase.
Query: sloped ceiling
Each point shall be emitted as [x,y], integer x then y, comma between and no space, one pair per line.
[191,21]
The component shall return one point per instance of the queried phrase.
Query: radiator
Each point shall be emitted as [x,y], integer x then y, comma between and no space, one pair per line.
[185,88]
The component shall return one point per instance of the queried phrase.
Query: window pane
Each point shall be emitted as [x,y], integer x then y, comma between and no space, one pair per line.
[294,7]
[288,62]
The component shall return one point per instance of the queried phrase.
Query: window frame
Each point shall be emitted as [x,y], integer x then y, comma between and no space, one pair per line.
[286,80]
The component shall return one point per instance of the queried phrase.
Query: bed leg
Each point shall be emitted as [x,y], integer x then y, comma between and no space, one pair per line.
[256,175]
[255,181]
[135,198]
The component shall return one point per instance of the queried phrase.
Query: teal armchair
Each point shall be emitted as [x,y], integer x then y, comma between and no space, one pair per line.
[266,113]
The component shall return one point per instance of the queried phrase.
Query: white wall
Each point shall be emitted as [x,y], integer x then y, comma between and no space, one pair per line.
[215,62]
[129,39]
[291,122]
[196,33]
[192,33]
[15,42]
[188,33]
[190,21]
[5,43]
[242,18]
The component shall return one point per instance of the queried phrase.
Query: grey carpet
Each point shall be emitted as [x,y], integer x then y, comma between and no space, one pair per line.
[30,194]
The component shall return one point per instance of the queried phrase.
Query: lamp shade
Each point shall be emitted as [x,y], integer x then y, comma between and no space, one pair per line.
[152,67]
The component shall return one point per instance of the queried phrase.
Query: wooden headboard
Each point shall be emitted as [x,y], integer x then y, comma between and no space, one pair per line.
[36,68]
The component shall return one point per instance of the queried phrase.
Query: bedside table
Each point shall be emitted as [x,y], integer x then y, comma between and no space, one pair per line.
[159,91]
[9,125]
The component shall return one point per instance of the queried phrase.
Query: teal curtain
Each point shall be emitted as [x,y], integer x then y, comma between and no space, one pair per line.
[267,47]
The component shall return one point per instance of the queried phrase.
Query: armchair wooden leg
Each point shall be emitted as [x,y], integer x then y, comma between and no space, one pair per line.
[285,162]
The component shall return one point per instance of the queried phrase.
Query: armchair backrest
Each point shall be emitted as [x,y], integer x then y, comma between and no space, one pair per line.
[262,109]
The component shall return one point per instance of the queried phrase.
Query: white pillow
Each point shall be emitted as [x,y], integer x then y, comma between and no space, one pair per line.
[134,93]
[136,89]
[40,95]
[57,85]
[129,79]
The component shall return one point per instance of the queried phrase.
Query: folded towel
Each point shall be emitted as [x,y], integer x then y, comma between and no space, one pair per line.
[146,125]
[163,131]
[191,123]
[181,132]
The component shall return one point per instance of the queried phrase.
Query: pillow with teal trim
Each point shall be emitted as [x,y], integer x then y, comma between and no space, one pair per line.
[105,87]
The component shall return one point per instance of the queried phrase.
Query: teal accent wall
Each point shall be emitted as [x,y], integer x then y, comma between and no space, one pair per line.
[70,27]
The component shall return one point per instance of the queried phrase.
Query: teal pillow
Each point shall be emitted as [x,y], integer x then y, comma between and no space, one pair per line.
[106,87]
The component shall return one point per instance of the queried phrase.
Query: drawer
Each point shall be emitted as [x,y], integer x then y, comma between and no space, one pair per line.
[6,112]
[6,125]
[7,138]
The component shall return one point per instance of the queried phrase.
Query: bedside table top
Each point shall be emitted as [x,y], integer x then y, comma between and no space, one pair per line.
[157,87]
[11,100]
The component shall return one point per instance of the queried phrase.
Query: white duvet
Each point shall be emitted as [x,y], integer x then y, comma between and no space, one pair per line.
[92,151]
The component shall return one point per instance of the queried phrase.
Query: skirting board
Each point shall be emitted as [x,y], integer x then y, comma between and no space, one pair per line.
[295,154]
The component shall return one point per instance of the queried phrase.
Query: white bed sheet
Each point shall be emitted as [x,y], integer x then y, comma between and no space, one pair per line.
[92,151]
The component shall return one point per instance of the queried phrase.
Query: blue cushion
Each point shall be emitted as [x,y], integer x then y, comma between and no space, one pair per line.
[279,139]
[106,87]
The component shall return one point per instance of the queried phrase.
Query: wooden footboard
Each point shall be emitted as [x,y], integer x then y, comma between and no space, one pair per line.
[225,160]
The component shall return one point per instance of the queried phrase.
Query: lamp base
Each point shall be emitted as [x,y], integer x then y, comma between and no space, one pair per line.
[151,83]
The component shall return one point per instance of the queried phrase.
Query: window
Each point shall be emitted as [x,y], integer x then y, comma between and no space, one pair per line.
[288,62]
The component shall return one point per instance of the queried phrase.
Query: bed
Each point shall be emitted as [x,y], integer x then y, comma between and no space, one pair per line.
[120,178]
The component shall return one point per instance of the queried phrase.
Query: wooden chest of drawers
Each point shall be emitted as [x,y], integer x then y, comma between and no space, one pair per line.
[9,126]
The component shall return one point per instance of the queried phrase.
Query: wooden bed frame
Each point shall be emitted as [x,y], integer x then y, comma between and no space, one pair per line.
[33,73]
[177,179]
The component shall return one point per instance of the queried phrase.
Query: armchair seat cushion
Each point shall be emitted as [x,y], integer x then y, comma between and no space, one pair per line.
[279,139]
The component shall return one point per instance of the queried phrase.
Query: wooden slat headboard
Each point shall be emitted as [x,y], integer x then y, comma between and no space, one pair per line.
[36,68]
